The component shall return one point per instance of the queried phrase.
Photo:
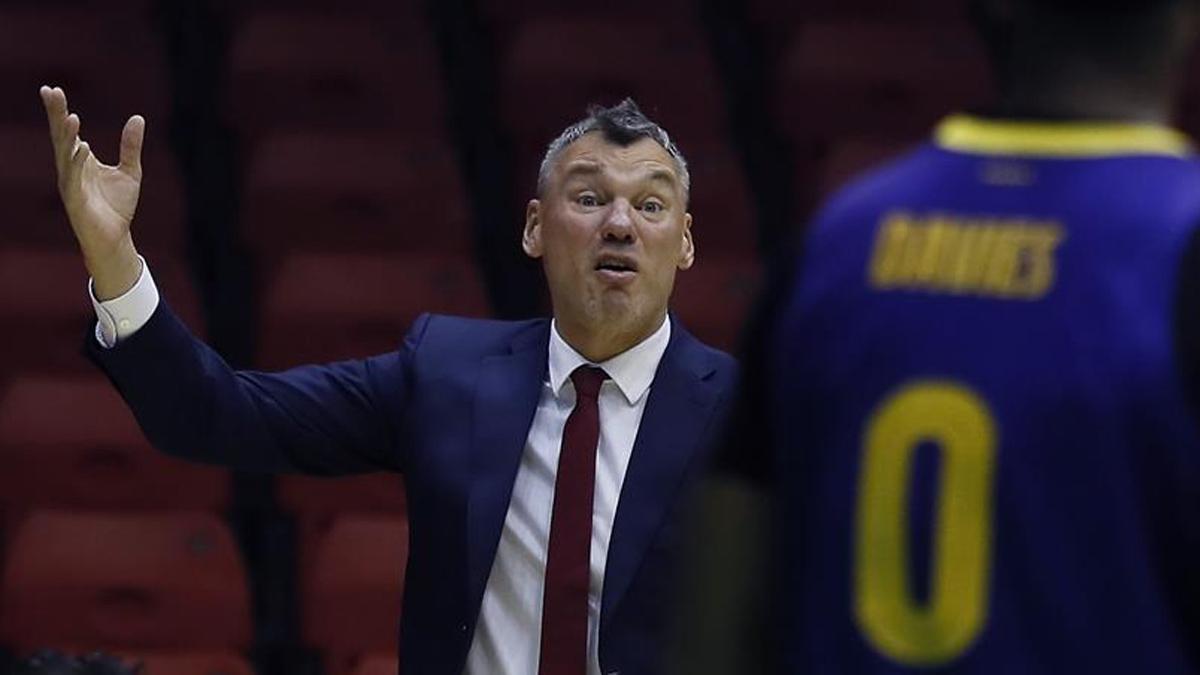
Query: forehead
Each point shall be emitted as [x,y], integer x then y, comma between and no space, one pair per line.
[592,149]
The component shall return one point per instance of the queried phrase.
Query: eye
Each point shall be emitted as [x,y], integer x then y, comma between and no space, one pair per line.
[588,200]
[652,206]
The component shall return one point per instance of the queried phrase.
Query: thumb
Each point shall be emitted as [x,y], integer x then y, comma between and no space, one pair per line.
[131,146]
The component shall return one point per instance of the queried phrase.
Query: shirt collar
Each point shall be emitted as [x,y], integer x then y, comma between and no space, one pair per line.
[1058,138]
[632,370]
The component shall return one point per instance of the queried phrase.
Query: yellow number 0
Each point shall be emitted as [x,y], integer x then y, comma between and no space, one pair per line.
[895,624]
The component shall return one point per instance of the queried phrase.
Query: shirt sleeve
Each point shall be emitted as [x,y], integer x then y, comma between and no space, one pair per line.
[1187,320]
[124,315]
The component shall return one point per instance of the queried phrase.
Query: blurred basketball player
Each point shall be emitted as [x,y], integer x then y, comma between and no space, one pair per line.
[977,394]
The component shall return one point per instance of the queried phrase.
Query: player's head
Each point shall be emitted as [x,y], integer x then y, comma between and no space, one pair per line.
[1139,43]
[610,222]
[50,662]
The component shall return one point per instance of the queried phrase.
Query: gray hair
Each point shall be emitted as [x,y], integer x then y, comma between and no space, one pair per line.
[622,124]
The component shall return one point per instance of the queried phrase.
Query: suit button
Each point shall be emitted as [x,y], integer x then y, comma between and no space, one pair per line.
[463,628]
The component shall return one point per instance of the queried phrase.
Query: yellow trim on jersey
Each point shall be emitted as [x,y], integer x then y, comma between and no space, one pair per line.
[975,135]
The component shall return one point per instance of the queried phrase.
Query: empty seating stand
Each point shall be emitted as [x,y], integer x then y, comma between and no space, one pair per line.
[841,78]
[352,581]
[665,66]
[108,58]
[360,191]
[170,581]
[45,293]
[34,212]
[368,65]
[71,441]
[323,307]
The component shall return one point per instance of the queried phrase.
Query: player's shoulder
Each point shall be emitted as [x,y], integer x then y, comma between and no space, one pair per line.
[882,185]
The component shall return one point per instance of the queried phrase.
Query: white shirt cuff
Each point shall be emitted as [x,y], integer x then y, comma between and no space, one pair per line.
[122,316]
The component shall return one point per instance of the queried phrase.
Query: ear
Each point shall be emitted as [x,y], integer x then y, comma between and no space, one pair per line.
[531,238]
[687,247]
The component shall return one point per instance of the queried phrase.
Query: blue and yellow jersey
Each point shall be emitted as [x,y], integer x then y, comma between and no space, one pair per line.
[986,454]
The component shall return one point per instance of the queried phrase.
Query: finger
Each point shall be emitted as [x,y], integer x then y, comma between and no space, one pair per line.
[65,136]
[132,137]
[74,175]
[66,144]
[56,116]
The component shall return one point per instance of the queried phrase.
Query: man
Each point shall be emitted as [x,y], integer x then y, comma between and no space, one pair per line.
[544,460]
[981,382]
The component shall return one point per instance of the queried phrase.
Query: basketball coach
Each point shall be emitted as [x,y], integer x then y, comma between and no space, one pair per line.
[546,461]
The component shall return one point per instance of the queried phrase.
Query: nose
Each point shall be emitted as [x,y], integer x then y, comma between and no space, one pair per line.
[618,223]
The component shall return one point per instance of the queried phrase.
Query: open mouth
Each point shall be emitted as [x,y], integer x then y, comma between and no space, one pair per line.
[616,264]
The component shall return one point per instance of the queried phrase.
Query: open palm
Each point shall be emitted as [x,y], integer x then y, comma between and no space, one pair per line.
[100,199]
[109,194]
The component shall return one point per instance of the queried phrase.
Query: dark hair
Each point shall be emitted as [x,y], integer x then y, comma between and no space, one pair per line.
[622,124]
[51,662]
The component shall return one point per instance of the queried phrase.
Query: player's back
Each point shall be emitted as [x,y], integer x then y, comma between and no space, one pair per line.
[988,459]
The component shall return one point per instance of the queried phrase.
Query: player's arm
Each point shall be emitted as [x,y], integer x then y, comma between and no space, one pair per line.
[189,402]
[724,618]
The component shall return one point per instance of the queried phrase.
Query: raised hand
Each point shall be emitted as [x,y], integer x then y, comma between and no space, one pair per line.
[100,199]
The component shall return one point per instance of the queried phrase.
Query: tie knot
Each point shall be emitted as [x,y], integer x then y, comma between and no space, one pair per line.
[587,381]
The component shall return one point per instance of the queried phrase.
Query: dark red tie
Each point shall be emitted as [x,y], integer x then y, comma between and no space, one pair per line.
[568,562]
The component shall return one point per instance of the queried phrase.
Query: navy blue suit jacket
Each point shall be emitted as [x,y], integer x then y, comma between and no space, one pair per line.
[450,410]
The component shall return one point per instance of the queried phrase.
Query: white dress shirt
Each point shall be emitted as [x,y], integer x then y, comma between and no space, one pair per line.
[508,631]
[122,316]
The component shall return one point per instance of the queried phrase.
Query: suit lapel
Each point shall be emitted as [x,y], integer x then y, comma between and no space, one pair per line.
[506,398]
[672,430]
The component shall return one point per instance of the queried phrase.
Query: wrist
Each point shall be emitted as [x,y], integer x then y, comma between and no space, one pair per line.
[114,274]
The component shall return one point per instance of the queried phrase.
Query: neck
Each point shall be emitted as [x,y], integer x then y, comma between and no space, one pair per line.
[1078,100]
[602,342]
[1045,79]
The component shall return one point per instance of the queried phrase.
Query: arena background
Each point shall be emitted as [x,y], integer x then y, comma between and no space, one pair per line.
[316,174]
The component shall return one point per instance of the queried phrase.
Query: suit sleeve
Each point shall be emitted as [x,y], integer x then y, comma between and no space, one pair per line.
[333,419]
[1187,321]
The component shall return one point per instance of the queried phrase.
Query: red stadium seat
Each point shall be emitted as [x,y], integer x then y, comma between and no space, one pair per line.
[110,62]
[665,66]
[894,80]
[354,192]
[312,496]
[713,298]
[34,210]
[53,315]
[71,441]
[320,307]
[169,580]
[335,69]
[374,664]
[352,580]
